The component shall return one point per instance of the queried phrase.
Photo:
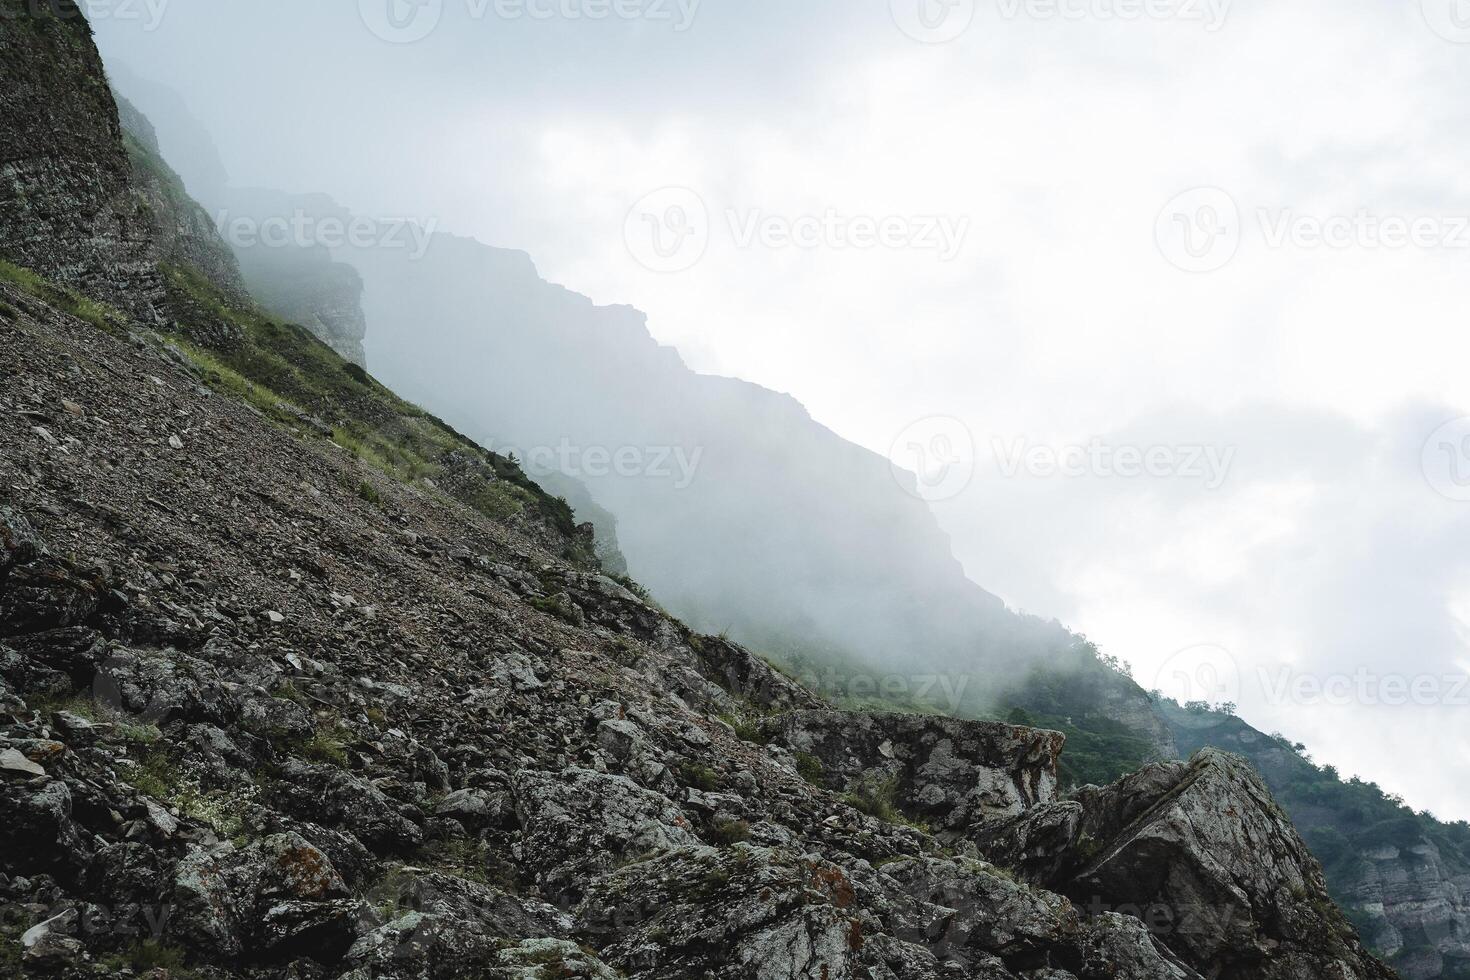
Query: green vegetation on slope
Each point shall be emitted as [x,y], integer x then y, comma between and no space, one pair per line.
[1082,693]
[289,376]
[100,315]
[287,373]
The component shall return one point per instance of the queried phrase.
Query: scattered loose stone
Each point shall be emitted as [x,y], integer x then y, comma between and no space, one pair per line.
[13,761]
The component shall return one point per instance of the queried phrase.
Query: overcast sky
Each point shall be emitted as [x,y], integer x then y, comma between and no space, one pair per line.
[1231,237]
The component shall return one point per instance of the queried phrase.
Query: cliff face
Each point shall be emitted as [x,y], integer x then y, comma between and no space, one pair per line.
[283,699]
[277,240]
[182,232]
[1402,877]
[68,208]
[295,276]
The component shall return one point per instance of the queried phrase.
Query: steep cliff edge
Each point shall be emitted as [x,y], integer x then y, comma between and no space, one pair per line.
[275,705]
[68,207]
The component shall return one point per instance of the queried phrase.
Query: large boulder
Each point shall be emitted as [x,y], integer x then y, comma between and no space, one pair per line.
[578,824]
[1202,854]
[278,899]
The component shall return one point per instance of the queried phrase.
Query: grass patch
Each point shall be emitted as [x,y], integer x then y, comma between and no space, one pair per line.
[877,798]
[558,607]
[810,768]
[328,745]
[155,776]
[471,859]
[89,710]
[149,955]
[698,776]
[99,315]
[272,363]
[367,492]
[730,832]
[747,729]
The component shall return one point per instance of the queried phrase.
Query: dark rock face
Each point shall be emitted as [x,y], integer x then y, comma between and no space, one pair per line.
[955,775]
[1202,852]
[67,206]
[183,233]
[1404,878]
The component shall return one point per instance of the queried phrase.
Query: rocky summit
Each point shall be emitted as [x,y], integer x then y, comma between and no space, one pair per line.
[296,682]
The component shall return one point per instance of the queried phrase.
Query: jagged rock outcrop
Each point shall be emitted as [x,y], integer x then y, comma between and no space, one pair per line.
[1417,908]
[1202,853]
[278,245]
[954,775]
[288,266]
[1403,877]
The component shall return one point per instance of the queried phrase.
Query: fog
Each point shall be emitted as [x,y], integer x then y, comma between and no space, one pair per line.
[1295,501]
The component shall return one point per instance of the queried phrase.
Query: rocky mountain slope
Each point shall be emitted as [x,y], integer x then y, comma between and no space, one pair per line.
[547,348]
[295,682]
[813,585]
